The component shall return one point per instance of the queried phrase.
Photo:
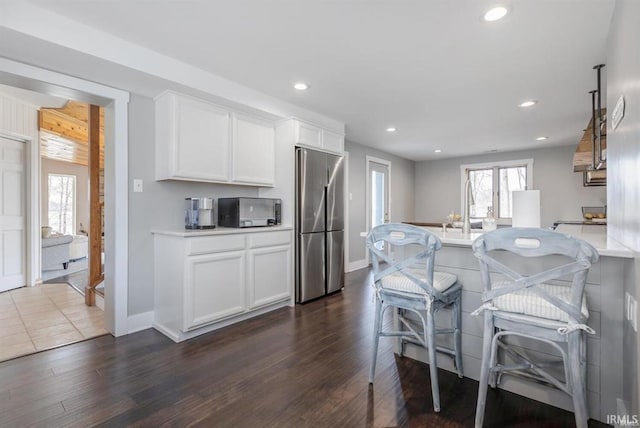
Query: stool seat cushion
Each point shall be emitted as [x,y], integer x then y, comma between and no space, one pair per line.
[442,281]
[529,303]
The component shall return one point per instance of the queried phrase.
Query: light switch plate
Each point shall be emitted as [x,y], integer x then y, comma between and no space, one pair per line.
[631,310]
[137,185]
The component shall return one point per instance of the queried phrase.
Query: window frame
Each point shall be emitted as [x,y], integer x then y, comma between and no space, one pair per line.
[496,165]
[75,198]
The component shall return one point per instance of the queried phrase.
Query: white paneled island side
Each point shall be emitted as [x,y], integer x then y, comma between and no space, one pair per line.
[605,300]
[208,279]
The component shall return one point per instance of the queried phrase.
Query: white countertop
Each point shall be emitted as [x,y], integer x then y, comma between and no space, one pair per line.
[597,238]
[218,231]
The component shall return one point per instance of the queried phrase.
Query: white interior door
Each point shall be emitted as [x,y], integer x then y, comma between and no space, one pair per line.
[378,193]
[12,214]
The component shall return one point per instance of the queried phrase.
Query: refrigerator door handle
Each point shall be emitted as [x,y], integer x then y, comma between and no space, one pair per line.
[335,260]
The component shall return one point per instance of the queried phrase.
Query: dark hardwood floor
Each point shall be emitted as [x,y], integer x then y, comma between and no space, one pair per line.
[296,367]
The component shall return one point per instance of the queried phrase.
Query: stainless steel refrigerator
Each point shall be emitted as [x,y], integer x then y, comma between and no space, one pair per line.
[319,224]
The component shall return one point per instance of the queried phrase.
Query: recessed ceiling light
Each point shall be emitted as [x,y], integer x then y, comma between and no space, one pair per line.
[495,13]
[437,151]
[300,86]
[391,129]
[528,103]
[541,138]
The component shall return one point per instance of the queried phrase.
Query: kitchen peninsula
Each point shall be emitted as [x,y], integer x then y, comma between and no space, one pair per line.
[605,298]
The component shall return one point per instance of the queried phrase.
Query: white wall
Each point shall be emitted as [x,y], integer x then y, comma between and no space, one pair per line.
[623,163]
[623,144]
[402,191]
[20,119]
[159,206]
[561,192]
[50,166]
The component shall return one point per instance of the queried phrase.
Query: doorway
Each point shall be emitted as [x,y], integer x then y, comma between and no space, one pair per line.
[36,316]
[115,103]
[72,166]
[378,193]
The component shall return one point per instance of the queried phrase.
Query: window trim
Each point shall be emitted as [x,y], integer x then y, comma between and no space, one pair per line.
[528,163]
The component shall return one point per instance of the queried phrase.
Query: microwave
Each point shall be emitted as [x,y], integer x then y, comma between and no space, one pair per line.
[249,212]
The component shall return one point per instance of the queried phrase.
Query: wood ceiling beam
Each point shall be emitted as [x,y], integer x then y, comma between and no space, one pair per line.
[95,208]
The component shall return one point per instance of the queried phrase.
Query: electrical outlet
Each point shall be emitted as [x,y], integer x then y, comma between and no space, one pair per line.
[137,185]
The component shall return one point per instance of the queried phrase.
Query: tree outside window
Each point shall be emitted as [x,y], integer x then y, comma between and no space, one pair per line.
[62,203]
[511,179]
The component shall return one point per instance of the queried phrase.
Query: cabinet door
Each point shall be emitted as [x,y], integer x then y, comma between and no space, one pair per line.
[253,151]
[308,135]
[214,288]
[269,275]
[332,142]
[201,148]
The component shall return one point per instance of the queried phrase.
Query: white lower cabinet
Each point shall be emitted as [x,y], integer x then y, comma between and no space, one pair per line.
[214,288]
[269,275]
[205,281]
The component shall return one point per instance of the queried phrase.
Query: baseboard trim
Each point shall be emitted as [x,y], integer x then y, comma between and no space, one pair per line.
[173,335]
[100,301]
[358,264]
[139,322]
[179,336]
[624,419]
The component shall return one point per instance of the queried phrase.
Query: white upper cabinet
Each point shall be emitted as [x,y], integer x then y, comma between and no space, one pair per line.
[253,151]
[308,135]
[199,141]
[332,142]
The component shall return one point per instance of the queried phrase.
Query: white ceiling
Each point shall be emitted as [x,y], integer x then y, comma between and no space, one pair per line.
[432,68]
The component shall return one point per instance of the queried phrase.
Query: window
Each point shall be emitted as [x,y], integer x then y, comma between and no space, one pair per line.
[492,185]
[62,203]
[377,196]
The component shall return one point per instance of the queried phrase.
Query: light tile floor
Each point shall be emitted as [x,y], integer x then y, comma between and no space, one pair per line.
[43,317]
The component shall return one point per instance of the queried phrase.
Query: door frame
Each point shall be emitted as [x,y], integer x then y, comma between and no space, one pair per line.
[367,203]
[115,103]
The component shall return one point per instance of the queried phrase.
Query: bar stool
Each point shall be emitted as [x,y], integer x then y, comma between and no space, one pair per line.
[410,284]
[527,305]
